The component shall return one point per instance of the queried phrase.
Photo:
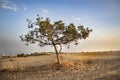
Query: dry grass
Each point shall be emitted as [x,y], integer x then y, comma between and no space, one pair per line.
[11,66]
[67,64]
[91,66]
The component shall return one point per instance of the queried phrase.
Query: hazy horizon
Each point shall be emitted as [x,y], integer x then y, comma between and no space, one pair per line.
[103,16]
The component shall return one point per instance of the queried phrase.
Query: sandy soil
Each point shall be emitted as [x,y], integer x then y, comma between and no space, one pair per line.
[83,66]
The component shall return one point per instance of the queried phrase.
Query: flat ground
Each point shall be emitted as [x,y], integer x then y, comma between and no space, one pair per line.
[77,66]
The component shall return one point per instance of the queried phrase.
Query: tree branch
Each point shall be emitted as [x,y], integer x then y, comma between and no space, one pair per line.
[60,48]
[42,42]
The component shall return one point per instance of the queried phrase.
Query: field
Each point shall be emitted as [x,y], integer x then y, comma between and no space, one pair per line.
[77,66]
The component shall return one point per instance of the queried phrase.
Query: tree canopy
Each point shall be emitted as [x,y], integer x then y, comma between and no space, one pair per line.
[46,33]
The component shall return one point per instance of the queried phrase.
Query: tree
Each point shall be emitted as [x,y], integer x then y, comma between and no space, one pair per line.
[56,34]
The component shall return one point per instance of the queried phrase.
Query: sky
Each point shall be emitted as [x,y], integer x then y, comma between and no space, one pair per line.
[103,16]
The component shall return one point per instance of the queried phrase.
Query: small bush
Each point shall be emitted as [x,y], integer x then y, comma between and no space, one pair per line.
[21,55]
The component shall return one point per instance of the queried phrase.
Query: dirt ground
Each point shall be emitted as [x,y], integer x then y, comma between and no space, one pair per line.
[77,66]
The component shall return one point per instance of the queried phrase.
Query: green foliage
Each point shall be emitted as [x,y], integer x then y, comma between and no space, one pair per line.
[47,33]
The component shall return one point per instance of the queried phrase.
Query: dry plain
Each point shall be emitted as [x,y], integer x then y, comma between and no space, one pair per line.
[74,66]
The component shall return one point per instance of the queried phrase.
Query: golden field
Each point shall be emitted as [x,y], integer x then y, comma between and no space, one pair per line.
[74,66]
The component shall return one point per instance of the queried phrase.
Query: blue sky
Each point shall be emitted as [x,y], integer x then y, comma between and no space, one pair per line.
[103,16]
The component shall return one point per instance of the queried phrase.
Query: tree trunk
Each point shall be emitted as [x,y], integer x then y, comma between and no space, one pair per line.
[57,54]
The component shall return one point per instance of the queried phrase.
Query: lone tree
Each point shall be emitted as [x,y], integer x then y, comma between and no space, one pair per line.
[56,34]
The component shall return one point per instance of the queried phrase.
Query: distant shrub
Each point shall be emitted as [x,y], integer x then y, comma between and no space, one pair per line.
[39,54]
[43,53]
[33,54]
[6,56]
[21,55]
